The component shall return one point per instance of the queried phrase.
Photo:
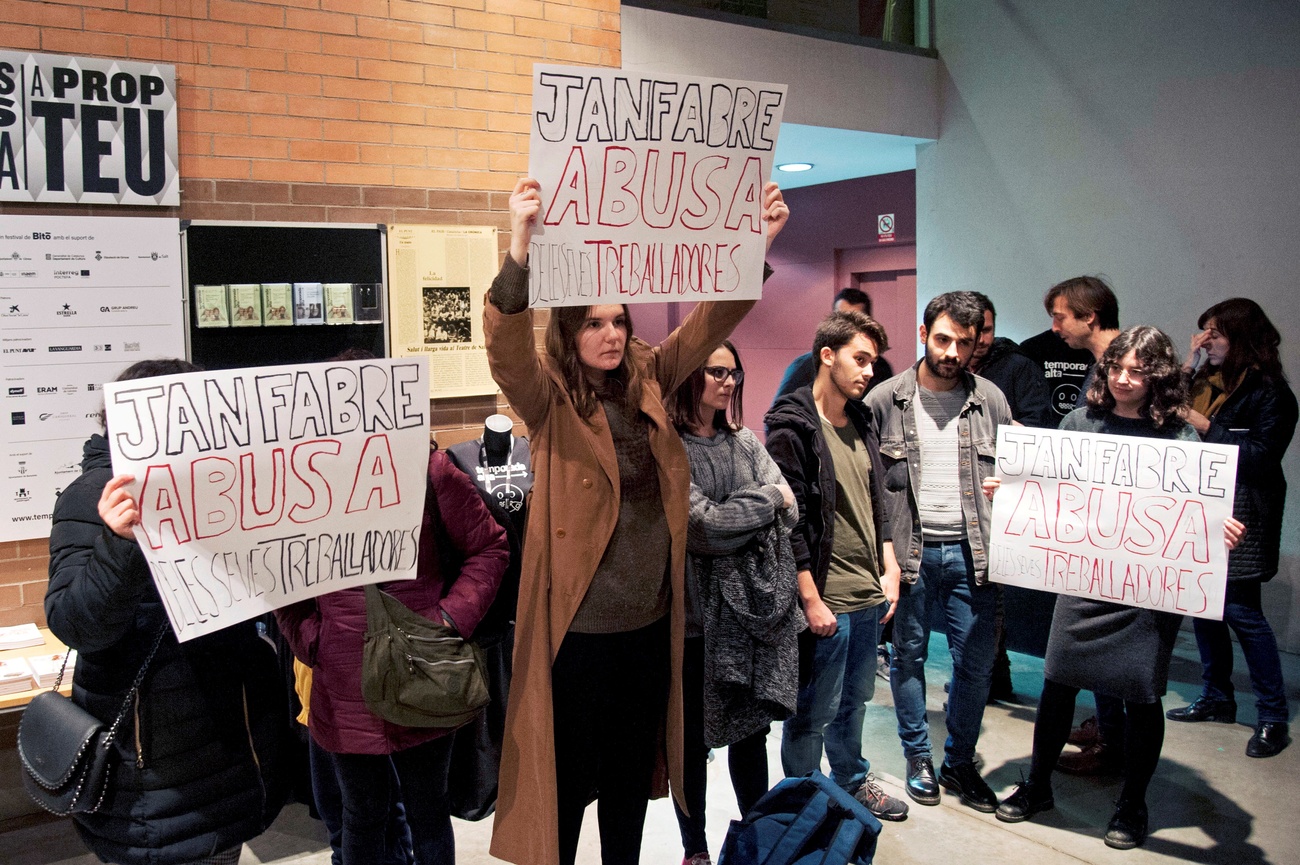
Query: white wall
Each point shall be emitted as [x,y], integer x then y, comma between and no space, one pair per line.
[1155,142]
[832,84]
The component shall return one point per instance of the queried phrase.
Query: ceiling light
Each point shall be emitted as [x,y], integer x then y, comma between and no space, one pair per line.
[795,166]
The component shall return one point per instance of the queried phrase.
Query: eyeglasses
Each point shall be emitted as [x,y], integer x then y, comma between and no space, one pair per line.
[1136,375]
[720,373]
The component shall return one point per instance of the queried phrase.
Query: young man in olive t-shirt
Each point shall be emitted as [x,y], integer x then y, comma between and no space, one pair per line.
[817,436]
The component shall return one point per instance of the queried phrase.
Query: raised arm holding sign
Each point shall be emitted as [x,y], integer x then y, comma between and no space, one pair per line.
[599,633]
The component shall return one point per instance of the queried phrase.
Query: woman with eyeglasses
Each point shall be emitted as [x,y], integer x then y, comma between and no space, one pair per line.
[1114,649]
[601,615]
[1240,397]
[742,613]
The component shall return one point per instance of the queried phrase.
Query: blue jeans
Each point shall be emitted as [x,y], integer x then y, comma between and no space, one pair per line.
[833,704]
[365,786]
[946,581]
[1243,612]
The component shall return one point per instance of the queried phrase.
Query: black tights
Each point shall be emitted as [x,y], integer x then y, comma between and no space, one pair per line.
[609,693]
[1144,736]
[746,759]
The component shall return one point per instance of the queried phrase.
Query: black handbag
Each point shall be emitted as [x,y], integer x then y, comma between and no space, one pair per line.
[66,752]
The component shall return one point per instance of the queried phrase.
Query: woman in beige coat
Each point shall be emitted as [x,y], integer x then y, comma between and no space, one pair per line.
[598,639]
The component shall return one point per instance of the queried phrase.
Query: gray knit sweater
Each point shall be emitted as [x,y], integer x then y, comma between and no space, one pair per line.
[741,585]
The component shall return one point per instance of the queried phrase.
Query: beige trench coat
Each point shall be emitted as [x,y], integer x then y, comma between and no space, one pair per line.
[572,515]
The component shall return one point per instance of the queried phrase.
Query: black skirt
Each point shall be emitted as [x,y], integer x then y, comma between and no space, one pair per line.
[1112,649]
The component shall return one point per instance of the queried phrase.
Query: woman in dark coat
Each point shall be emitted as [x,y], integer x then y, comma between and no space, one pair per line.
[327,634]
[1240,397]
[200,752]
[1113,649]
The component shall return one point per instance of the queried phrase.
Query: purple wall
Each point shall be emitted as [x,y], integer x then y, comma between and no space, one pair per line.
[831,235]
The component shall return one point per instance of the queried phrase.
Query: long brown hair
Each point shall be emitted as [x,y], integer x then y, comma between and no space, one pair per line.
[1252,338]
[684,404]
[562,345]
[1166,387]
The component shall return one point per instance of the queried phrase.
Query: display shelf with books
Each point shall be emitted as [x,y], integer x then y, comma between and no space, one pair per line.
[291,276]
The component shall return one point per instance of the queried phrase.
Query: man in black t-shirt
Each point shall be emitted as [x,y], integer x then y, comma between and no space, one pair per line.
[1064,369]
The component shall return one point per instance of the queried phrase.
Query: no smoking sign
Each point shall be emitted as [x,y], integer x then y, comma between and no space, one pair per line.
[885,227]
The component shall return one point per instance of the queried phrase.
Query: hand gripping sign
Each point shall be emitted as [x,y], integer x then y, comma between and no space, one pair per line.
[261,487]
[652,186]
[1136,521]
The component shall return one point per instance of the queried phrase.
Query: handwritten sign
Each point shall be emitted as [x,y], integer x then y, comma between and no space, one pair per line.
[1136,521]
[261,487]
[652,187]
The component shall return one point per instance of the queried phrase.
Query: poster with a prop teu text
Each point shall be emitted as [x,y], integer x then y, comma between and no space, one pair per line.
[651,186]
[261,487]
[1136,521]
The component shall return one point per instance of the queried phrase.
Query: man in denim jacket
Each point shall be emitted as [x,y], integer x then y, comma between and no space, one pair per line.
[937,427]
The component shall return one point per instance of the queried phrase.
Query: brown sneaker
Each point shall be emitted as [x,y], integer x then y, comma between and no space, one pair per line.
[1095,759]
[1087,733]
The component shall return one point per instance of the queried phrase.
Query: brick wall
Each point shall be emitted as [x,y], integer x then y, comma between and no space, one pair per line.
[327,111]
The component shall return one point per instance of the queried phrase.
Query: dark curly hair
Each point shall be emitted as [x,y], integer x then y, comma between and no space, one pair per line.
[684,404]
[1166,386]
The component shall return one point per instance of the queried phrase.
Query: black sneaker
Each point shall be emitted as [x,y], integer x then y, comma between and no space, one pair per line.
[1024,802]
[965,780]
[1128,828]
[880,803]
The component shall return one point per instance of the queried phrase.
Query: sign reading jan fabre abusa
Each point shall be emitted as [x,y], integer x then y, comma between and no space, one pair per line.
[1126,519]
[261,487]
[652,186]
[82,130]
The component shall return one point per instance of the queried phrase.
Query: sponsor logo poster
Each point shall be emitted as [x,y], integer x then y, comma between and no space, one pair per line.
[651,186]
[1131,520]
[261,487]
[81,299]
[87,130]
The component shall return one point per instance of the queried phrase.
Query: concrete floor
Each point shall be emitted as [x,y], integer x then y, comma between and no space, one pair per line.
[1209,802]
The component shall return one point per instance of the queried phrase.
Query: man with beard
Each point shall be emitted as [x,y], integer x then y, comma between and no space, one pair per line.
[818,437]
[1019,378]
[937,429]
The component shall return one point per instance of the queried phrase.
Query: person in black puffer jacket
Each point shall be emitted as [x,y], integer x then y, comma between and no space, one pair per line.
[200,752]
[1240,397]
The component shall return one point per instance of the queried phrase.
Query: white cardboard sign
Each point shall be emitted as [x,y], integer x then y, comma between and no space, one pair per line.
[261,487]
[652,186]
[1132,520]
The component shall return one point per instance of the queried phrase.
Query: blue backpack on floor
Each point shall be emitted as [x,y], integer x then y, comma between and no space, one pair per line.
[803,821]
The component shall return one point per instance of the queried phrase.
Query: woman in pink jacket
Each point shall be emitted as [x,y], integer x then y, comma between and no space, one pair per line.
[326,633]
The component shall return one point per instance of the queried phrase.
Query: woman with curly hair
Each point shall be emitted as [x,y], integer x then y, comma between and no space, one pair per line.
[1114,649]
[1240,397]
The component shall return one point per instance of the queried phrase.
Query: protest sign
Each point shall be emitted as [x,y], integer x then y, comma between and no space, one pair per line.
[1136,521]
[651,186]
[261,487]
